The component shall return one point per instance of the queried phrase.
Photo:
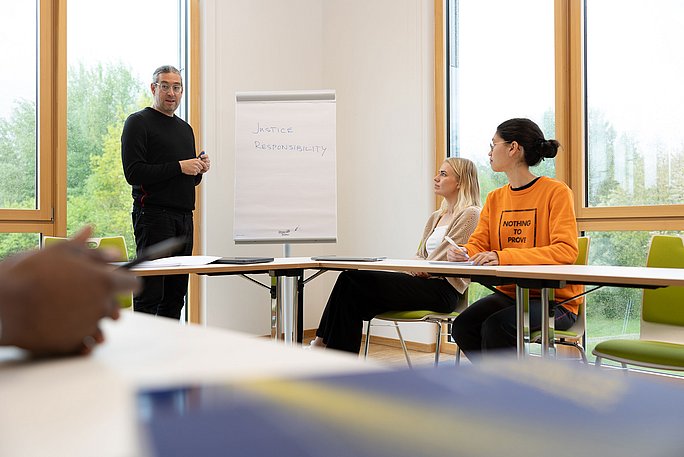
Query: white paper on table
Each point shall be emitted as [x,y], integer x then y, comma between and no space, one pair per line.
[179,261]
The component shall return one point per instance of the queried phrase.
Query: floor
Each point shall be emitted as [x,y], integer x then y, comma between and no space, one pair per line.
[394,356]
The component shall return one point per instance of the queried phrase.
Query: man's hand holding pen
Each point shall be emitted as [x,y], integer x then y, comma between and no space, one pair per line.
[197,166]
[204,158]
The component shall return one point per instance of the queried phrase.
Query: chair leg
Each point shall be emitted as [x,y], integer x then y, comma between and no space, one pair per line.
[576,345]
[458,356]
[597,362]
[438,342]
[367,345]
[403,344]
[582,352]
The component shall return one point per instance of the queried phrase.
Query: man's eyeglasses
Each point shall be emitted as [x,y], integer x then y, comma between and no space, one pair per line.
[176,88]
[491,145]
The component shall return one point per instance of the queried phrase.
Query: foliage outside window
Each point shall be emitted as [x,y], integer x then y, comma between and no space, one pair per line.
[635,104]
[99,100]
[18,125]
[495,75]
[108,78]
[103,89]
[624,59]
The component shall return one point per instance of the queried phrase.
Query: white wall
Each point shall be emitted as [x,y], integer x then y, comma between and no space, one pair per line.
[378,56]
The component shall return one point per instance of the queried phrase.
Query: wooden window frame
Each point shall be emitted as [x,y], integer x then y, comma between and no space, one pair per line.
[570,125]
[51,49]
[50,217]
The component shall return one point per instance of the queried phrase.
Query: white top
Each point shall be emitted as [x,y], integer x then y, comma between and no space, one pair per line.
[436,238]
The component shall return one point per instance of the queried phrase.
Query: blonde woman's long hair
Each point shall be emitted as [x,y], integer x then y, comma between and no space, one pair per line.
[469,186]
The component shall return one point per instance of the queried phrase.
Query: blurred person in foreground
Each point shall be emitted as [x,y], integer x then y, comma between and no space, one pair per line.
[52,300]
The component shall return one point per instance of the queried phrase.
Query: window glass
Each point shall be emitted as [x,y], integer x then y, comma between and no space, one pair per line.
[18,148]
[12,243]
[634,63]
[501,66]
[110,64]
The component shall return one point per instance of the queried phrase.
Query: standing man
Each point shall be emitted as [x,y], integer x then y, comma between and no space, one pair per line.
[160,163]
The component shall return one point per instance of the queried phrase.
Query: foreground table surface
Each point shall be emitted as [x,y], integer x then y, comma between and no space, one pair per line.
[85,406]
[503,407]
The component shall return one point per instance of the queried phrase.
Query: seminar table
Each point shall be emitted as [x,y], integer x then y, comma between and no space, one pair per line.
[287,302]
[547,277]
[243,395]
[543,277]
[288,310]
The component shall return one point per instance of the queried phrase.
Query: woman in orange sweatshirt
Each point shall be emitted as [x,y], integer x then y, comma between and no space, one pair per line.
[529,221]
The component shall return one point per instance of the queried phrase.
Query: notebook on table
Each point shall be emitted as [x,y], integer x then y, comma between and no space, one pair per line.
[243,260]
[337,258]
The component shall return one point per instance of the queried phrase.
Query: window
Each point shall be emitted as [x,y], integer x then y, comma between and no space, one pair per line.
[12,243]
[108,76]
[615,105]
[634,103]
[500,66]
[112,55]
[18,146]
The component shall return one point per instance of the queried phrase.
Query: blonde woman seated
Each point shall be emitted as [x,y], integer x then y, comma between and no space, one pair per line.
[361,295]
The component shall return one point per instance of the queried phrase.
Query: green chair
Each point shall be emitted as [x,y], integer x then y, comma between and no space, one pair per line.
[113,243]
[574,336]
[661,335]
[419,316]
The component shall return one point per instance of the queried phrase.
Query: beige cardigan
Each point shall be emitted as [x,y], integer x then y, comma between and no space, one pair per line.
[460,229]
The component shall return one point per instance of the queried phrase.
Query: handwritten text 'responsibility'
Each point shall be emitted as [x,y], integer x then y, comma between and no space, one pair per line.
[273,144]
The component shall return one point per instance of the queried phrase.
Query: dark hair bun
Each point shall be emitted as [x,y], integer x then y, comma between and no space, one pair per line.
[548,148]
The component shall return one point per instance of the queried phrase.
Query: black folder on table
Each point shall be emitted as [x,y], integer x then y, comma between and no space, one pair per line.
[243,260]
[337,258]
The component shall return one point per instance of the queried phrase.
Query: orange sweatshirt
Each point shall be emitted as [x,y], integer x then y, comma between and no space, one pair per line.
[531,226]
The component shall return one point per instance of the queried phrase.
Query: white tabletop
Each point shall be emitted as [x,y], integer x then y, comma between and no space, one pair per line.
[588,274]
[85,406]
[306,263]
[597,274]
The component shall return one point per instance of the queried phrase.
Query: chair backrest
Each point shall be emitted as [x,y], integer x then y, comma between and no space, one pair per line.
[50,240]
[113,243]
[580,324]
[582,259]
[583,247]
[662,310]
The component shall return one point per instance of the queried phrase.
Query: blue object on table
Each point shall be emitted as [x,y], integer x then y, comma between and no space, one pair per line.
[502,408]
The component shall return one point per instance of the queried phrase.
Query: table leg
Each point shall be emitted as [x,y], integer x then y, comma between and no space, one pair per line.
[276,308]
[521,326]
[286,314]
[547,325]
[292,314]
